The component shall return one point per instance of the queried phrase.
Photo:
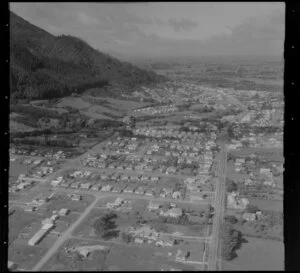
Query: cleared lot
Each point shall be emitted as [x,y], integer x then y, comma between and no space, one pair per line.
[117,257]
[258,254]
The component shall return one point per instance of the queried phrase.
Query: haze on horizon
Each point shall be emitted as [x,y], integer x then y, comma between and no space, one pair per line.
[166,29]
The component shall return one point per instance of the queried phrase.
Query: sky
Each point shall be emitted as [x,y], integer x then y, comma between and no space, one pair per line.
[166,28]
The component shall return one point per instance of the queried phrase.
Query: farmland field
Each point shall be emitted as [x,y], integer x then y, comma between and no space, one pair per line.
[258,254]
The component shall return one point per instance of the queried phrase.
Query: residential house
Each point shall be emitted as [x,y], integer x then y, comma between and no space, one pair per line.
[176,194]
[130,188]
[152,206]
[173,212]
[149,192]
[181,256]
[63,212]
[249,216]
[106,188]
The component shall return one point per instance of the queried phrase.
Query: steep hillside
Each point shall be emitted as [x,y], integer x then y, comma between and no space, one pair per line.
[45,66]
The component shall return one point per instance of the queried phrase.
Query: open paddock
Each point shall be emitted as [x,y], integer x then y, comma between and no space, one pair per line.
[271,154]
[272,205]
[257,254]
[21,219]
[61,200]
[62,261]
[26,256]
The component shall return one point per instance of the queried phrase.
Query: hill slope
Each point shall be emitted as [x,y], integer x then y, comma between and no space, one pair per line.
[46,66]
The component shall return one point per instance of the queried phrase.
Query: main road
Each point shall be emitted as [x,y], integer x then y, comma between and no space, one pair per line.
[215,251]
[218,204]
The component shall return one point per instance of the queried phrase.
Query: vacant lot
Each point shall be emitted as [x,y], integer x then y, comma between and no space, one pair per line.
[19,220]
[77,103]
[16,168]
[61,200]
[15,126]
[62,261]
[26,256]
[117,257]
[129,217]
[272,154]
[258,254]
[267,204]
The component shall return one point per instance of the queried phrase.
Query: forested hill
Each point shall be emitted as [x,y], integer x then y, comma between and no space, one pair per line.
[46,66]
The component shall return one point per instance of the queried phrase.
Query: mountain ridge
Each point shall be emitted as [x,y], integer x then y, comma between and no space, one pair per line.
[44,66]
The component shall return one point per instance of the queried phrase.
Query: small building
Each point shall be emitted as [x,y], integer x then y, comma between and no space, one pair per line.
[153,206]
[130,189]
[54,217]
[85,186]
[42,233]
[249,216]
[176,194]
[96,187]
[175,212]
[139,240]
[181,256]
[106,188]
[167,241]
[76,197]
[63,212]
[149,192]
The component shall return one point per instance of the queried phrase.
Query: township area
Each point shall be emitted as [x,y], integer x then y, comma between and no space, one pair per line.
[193,182]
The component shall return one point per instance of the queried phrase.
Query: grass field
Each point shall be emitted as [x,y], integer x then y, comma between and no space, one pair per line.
[272,154]
[19,220]
[129,218]
[118,257]
[19,127]
[257,254]
[61,200]
[267,204]
[26,256]
[17,168]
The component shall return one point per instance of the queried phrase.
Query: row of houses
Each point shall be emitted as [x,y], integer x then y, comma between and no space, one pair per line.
[54,155]
[157,109]
[121,187]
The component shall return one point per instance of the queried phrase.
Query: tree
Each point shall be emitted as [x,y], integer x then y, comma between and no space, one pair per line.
[127,238]
[231,219]
[104,225]
[231,185]
[231,239]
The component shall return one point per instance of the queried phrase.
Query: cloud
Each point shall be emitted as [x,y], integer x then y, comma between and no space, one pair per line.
[157,30]
[183,24]
[86,19]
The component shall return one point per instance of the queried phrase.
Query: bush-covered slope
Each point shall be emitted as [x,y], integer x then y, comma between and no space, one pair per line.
[45,66]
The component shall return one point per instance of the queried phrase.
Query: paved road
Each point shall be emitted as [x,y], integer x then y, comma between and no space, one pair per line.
[219,202]
[66,235]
